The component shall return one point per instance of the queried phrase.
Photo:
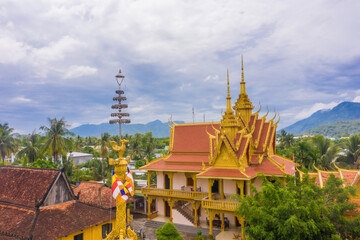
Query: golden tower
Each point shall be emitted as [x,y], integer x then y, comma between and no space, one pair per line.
[243,106]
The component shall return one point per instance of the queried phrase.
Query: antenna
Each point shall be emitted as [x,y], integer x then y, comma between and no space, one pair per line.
[193,114]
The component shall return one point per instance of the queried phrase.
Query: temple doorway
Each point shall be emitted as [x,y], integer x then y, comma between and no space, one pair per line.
[167,209]
[167,182]
[215,187]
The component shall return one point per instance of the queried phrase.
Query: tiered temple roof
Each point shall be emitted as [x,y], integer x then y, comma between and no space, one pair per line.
[240,146]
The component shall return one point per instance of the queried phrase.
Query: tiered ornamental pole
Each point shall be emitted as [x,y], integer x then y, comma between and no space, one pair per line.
[120,232]
[119,115]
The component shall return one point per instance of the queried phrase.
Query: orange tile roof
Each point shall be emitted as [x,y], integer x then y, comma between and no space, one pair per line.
[222,173]
[187,158]
[161,165]
[89,193]
[289,165]
[268,168]
[24,186]
[349,177]
[326,175]
[263,135]
[15,221]
[63,219]
[192,137]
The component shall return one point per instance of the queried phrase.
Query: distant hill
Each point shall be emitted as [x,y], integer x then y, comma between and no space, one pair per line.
[345,111]
[352,127]
[157,128]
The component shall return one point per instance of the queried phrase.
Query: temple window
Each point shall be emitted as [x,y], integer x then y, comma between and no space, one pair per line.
[189,182]
[106,229]
[79,237]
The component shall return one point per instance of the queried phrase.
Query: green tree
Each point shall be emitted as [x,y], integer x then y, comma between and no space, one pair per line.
[286,139]
[326,151]
[104,145]
[305,154]
[7,141]
[32,144]
[135,149]
[168,232]
[56,144]
[351,148]
[299,210]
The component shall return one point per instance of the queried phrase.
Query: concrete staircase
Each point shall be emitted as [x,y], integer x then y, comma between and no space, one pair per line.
[185,209]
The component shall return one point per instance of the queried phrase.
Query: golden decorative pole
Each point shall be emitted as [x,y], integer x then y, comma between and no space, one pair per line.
[120,232]
[120,169]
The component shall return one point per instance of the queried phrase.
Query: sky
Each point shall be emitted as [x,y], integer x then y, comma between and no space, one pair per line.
[59,58]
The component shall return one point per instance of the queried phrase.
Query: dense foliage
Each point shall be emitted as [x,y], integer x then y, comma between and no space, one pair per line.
[168,232]
[341,128]
[320,151]
[300,210]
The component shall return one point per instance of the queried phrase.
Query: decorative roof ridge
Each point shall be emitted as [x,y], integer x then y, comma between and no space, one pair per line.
[355,178]
[156,160]
[195,124]
[281,167]
[345,170]
[287,159]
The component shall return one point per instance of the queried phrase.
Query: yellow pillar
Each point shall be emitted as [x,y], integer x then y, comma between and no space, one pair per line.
[195,183]
[210,183]
[148,178]
[195,205]
[171,176]
[211,218]
[149,201]
[171,204]
[222,222]
[240,185]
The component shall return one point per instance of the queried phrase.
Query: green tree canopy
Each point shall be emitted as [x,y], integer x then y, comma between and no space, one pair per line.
[56,144]
[300,210]
[168,232]
[32,144]
[7,141]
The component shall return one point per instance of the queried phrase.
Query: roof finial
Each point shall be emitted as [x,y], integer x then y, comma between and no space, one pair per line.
[228,98]
[242,69]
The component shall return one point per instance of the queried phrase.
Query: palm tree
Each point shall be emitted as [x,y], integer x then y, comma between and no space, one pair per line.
[56,144]
[7,141]
[104,145]
[352,150]
[32,144]
[135,149]
[327,151]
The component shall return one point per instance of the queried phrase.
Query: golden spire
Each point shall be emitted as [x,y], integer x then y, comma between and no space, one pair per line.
[243,106]
[228,122]
[228,98]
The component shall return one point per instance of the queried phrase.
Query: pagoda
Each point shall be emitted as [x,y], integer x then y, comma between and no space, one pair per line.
[208,162]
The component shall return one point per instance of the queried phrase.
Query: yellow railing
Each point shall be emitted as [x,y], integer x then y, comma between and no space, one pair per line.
[173,193]
[219,205]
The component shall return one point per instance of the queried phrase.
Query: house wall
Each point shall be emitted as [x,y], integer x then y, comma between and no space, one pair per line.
[160,206]
[257,183]
[180,219]
[59,193]
[80,160]
[91,233]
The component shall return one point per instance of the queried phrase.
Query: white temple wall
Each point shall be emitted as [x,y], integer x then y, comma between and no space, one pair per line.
[179,180]
[160,207]
[180,219]
[203,183]
[257,183]
[160,179]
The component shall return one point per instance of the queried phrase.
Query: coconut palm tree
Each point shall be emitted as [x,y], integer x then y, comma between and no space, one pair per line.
[352,151]
[104,145]
[56,143]
[32,145]
[326,151]
[7,141]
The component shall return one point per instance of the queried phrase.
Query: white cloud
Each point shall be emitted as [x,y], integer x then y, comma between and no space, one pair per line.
[21,100]
[12,51]
[316,107]
[356,99]
[80,71]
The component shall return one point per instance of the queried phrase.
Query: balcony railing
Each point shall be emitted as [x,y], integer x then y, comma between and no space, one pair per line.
[219,205]
[173,193]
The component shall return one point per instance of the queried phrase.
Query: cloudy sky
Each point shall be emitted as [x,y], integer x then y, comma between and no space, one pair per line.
[59,58]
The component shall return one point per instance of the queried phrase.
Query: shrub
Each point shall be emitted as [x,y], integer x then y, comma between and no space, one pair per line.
[168,232]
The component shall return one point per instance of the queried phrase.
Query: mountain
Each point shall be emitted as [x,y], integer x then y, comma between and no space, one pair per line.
[157,128]
[345,111]
[337,128]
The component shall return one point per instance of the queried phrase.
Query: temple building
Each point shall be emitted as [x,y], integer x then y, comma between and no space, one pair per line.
[208,162]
